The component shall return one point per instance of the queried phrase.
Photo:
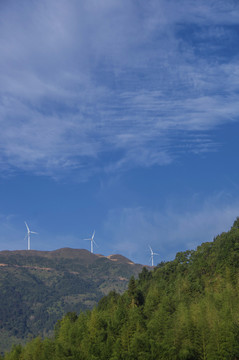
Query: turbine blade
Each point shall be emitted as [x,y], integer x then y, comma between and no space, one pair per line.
[27,226]
[33,232]
[95,243]
[93,235]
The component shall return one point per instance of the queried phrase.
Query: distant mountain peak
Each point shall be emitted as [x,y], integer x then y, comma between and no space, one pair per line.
[120,258]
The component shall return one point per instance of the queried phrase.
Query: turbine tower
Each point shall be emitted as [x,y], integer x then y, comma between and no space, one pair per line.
[28,236]
[152,255]
[92,242]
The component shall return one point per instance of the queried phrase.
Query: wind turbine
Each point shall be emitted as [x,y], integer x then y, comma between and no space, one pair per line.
[152,255]
[92,242]
[28,236]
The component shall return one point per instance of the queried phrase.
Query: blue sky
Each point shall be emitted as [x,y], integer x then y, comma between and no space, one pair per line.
[119,116]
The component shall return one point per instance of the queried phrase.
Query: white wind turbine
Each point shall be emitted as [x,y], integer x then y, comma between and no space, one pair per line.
[152,255]
[28,236]
[92,242]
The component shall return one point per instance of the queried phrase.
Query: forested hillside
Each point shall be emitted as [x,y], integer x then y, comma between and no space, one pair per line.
[184,309]
[38,287]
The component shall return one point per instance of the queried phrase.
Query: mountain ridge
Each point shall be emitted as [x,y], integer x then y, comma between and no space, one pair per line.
[38,287]
[67,252]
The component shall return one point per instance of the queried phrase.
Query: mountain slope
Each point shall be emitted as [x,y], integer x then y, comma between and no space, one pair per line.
[187,309]
[38,287]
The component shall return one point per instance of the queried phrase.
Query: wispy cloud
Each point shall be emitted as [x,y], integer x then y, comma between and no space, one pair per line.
[168,231]
[130,230]
[80,81]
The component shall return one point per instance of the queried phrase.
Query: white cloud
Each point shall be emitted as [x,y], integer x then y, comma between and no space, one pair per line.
[129,231]
[81,80]
[170,230]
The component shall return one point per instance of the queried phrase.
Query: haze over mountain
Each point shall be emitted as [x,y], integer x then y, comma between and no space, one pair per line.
[38,287]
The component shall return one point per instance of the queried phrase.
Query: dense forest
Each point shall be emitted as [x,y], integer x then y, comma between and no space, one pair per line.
[187,308]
